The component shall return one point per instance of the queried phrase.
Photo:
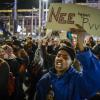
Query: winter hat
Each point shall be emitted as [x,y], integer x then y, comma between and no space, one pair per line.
[69,50]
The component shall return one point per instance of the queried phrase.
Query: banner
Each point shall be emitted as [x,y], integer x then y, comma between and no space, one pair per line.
[65,16]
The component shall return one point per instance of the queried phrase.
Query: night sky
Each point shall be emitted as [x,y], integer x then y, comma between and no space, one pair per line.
[26,4]
[22,4]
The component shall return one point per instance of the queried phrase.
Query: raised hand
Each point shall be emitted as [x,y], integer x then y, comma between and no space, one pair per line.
[81,33]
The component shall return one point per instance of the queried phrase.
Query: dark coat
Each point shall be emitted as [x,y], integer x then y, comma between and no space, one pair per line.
[4,75]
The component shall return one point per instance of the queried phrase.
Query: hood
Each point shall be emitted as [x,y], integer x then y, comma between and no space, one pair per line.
[67,74]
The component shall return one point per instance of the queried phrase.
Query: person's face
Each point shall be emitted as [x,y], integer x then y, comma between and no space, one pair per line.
[62,62]
[2,52]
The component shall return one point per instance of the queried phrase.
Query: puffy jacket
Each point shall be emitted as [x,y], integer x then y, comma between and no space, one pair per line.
[73,85]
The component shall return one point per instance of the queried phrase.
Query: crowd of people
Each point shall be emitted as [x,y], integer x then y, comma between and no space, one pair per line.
[50,69]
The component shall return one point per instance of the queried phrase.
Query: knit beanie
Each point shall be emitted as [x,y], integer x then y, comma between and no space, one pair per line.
[69,50]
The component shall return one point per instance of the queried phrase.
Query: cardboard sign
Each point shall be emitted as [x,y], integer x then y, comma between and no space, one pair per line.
[65,16]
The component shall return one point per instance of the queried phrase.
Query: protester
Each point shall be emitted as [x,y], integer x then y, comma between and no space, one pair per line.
[63,82]
[90,42]
[4,75]
[96,50]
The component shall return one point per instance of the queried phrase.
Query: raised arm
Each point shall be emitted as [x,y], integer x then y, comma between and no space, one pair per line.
[90,78]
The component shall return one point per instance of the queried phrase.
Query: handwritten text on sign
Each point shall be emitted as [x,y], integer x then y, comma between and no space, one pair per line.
[64,16]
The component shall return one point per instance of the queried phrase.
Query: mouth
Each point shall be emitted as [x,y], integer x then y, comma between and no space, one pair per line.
[59,63]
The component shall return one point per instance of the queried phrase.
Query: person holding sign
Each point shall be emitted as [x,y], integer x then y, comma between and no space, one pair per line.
[63,82]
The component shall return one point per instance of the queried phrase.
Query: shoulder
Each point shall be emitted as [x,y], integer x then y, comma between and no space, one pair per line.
[44,80]
[45,77]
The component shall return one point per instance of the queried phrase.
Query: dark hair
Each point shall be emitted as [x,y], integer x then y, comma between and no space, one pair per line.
[96,50]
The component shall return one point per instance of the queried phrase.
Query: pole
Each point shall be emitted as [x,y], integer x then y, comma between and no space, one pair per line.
[40,13]
[46,9]
[23,27]
[35,23]
[43,13]
[32,22]
[9,24]
[15,16]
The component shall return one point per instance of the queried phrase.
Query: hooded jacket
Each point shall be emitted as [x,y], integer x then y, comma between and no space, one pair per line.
[73,85]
